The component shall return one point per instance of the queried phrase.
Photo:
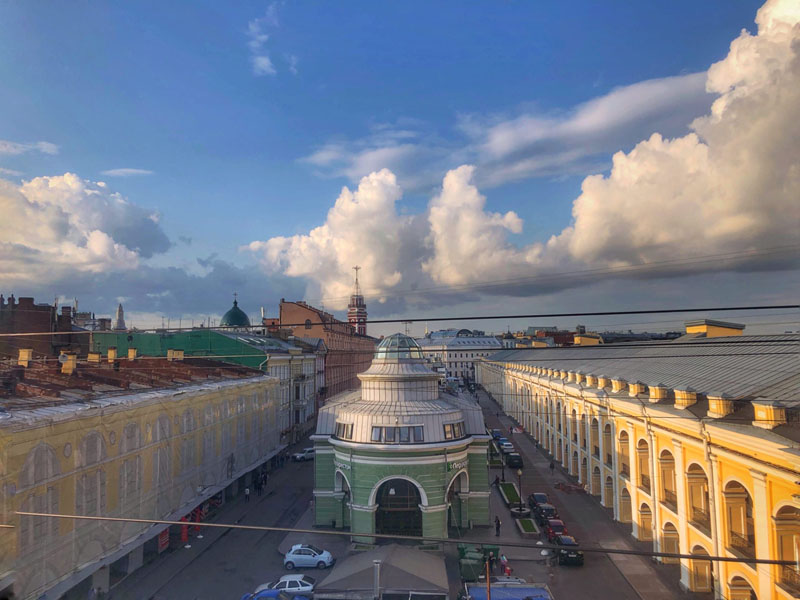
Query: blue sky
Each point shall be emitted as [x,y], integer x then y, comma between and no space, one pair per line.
[248,118]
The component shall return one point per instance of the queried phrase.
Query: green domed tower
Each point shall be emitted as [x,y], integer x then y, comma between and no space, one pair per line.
[235,317]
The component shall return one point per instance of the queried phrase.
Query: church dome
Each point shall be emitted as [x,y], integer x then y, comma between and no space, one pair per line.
[235,317]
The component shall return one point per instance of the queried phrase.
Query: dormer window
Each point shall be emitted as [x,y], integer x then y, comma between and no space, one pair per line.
[454,431]
[344,431]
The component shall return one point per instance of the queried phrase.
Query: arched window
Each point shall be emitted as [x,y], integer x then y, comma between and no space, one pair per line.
[38,531]
[670,542]
[787,529]
[643,463]
[187,442]
[739,519]
[595,433]
[700,571]
[308,323]
[740,589]
[666,465]
[625,506]
[645,522]
[130,471]
[697,484]
[624,454]
[41,464]
[90,485]
[607,444]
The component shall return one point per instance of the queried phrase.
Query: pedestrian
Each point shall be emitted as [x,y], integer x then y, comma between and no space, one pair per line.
[497,524]
[510,429]
[492,562]
[496,481]
[247,494]
[92,594]
[503,563]
[552,469]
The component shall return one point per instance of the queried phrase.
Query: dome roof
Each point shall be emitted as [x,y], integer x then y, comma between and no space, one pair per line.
[398,347]
[235,317]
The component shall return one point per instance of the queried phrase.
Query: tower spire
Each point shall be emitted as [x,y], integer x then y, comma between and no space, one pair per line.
[357,308]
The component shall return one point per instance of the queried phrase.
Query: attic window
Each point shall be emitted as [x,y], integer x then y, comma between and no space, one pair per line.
[308,323]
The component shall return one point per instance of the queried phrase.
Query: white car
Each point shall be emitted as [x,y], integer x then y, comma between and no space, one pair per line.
[306,555]
[303,455]
[506,447]
[291,584]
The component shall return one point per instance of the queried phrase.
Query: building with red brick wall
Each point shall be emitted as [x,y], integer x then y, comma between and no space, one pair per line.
[23,315]
[349,353]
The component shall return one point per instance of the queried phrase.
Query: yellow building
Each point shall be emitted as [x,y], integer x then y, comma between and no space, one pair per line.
[695,443]
[138,437]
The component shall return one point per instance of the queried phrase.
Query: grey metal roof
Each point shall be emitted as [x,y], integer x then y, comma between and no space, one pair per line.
[741,366]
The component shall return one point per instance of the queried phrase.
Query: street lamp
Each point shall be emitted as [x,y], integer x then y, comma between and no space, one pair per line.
[519,483]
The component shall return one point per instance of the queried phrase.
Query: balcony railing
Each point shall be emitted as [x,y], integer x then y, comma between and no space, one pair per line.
[670,498]
[701,519]
[741,543]
[644,482]
[625,469]
[790,577]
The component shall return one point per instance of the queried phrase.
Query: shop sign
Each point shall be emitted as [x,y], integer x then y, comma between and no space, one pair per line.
[340,465]
[163,540]
[455,466]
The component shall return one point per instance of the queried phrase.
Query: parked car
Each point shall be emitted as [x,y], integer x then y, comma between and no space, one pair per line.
[506,447]
[545,512]
[567,550]
[537,498]
[513,459]
[306,555]
[303,455]
[496,434]
[293,585]
[555,528]
[266,593]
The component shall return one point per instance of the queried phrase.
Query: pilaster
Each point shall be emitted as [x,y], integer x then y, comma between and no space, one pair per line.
[761,515]
[683,511]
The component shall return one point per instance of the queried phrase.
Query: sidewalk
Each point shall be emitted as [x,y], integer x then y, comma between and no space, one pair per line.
[150,581]
[585,518]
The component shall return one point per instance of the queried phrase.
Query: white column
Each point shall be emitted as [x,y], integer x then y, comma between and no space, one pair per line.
[683,511]
[615,468]
[633,457]
[763,526]
[602,457]
[655,490]
[718,535]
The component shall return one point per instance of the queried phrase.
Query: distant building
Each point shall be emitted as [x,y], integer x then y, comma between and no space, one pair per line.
[26,316]
[357,309]
[457,349]
[119,319]
[235,318]
[348,353]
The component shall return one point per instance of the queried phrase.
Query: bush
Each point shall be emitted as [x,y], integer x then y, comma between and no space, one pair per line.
[528,526]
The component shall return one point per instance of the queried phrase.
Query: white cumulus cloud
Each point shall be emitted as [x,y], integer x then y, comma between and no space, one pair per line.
[55,225]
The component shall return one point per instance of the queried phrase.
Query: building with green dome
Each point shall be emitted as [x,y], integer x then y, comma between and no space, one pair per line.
[235,317]
[399,456]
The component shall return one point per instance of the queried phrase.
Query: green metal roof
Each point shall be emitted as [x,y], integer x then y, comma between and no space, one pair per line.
[235,317]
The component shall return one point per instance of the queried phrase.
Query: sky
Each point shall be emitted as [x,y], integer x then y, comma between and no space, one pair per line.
[474,159]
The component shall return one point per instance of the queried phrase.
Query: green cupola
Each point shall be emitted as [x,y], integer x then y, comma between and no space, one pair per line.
[235,317]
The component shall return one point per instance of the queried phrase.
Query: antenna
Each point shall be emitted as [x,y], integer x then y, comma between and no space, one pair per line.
[357,269]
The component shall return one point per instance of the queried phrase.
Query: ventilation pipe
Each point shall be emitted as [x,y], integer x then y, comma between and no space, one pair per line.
[376,579]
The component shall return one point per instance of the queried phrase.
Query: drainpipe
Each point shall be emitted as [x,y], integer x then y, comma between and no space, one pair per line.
[376,579]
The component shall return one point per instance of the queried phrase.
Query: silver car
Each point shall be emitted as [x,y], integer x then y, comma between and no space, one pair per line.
[306,555]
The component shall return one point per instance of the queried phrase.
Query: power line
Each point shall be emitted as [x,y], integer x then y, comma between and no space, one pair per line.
[766,561]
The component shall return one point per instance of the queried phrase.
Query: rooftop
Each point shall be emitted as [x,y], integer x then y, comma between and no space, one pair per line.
[42,389]
[742,367]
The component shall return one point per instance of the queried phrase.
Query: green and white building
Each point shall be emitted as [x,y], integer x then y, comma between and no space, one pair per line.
[399,456]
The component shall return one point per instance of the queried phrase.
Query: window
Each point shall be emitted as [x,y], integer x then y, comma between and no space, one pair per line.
[376,434]
[389,434]
[448,431]
[344,431]
[418,437]
[308,323]
[405,435]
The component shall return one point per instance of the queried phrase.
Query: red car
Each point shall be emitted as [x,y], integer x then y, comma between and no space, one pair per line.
[555,528]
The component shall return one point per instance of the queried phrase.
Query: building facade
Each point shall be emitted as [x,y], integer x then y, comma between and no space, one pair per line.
[23,315]
[457,349]
[348,352]
[399,456]
[695,443]
[149,446]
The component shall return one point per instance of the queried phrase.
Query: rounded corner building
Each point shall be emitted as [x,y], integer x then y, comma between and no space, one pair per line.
[399,456]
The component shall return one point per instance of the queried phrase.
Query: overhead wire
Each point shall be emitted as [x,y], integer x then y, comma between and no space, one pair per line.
[531,545]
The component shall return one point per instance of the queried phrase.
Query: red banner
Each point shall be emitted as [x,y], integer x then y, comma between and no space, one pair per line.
[163,540]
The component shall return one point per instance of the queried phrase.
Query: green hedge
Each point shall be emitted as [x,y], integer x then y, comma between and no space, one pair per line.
[528,525]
